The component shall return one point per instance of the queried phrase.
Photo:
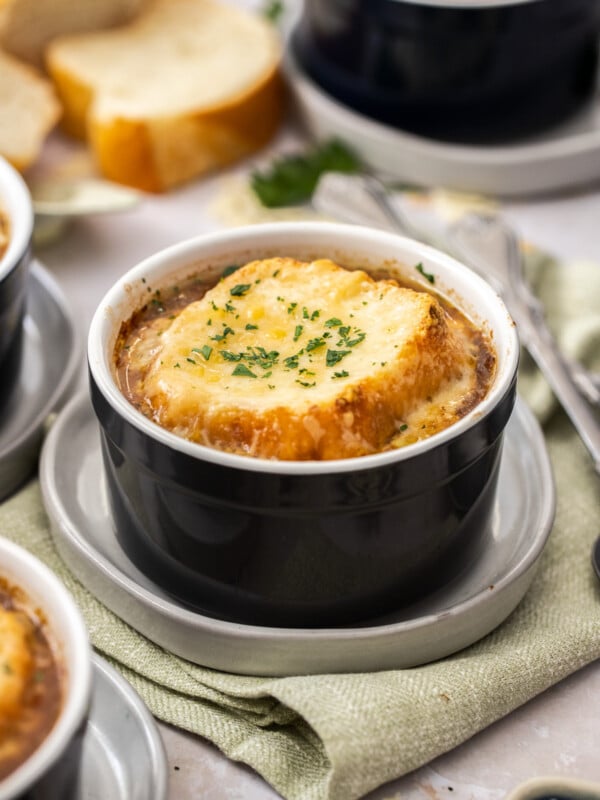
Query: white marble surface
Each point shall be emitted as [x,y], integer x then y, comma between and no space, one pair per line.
[558,732]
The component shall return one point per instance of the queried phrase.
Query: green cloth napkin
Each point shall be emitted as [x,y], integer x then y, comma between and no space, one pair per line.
[335,737]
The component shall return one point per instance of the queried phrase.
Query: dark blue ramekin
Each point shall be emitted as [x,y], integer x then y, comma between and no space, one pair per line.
[286,543]
[16,207]
[478,71]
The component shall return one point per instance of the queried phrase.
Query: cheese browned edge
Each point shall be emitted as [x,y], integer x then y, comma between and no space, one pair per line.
[402,363]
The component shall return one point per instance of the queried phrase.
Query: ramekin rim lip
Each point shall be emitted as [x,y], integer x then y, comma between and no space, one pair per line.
[75,707]
[13,188]
[104,383]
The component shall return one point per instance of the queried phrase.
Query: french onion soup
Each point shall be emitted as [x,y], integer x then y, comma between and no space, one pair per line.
[30,682]
[4,231]
[292,360]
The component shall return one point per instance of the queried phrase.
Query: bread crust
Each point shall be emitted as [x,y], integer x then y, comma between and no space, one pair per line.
[29,110]
[157,149]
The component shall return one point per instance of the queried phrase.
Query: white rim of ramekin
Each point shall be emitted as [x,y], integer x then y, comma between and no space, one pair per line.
[254,239]
[15,201]
[467,4]
[45,590]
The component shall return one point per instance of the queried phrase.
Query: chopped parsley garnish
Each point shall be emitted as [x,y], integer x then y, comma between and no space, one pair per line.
[427,275]
[306,383]
[220,336]
[291,362]
[228,356]
[292,178]
[315,343]
[273,9]
[251,327]
[341,374]
[333,357]
[298,332]
[229,270]
[240,289]
[204,351]
[191,360]
[243,371]
[333,322]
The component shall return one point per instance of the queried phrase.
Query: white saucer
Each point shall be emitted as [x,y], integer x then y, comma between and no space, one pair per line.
[564,157]
[123,757]
[76,501]
[51,357]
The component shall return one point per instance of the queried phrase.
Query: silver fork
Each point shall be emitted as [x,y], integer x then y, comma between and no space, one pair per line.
[491,249]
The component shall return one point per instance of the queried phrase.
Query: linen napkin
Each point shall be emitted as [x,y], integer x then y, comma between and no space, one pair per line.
[335,737]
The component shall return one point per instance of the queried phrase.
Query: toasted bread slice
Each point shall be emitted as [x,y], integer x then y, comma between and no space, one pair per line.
[188,86]
[27,26]
[29,110]
[16,661]
[291,360]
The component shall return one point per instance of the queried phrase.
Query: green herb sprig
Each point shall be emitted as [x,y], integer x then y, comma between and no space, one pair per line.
[291,179]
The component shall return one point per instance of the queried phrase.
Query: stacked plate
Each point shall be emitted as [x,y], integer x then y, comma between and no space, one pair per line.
[39,352]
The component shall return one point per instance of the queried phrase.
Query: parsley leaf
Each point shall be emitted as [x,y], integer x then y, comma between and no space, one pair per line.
[239,289]
[292,179]
[427,275]
[242,370]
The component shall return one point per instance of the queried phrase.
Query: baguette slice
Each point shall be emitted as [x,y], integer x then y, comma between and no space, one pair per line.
[189,86]
[27,26]
[29,109]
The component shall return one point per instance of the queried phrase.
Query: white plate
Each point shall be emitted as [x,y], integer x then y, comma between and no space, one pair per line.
[564,157]
[456,616]
[51,356]
[123,757]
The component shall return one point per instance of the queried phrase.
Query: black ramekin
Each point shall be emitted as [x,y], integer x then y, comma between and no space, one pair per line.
[16,205]
[457,70]
[300,543]
[51,770]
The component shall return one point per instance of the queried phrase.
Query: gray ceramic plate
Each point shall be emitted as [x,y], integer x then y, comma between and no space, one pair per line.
[51,356]
[123,755]
[456,616]
[555,788]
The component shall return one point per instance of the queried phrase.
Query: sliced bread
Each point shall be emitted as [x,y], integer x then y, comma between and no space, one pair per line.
[188,86]
[26,26]
[29,109]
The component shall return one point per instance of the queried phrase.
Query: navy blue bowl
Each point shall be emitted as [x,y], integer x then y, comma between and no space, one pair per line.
[466,70]
[300,544]
[16,207]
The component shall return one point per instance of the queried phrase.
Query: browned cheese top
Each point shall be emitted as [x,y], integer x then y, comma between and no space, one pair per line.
[30,681]
[302,360]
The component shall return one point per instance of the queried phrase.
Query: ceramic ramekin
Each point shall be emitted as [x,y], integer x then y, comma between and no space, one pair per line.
[300,543]
[15,203]
[51,770]
[461,70]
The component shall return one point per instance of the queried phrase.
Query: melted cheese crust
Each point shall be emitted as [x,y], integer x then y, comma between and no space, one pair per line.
[291,360]
[16,663]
